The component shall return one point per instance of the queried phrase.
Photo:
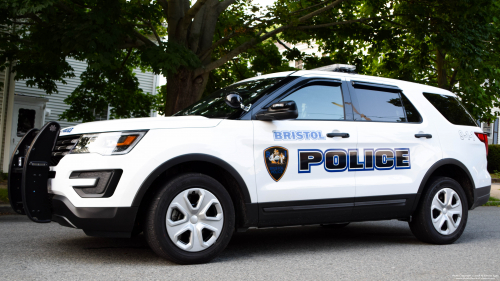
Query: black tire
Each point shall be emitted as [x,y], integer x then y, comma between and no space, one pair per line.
[335,225]
[422,225]
[155,229]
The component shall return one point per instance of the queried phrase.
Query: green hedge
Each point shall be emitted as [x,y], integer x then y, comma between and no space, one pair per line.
[493,158]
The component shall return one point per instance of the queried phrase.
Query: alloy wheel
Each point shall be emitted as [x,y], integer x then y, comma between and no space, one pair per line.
[446,211]
[194,219]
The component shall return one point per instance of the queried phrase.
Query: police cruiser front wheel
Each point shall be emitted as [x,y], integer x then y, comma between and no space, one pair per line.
[190,220]
[442,213]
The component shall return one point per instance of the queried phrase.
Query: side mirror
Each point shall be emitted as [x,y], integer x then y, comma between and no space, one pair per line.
[234,100]
[279,111]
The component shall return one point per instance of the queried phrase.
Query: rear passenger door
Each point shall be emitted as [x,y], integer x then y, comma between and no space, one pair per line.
[395,149]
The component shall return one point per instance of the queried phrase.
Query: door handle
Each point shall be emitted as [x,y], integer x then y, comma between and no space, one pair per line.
[333,135]
[427,136]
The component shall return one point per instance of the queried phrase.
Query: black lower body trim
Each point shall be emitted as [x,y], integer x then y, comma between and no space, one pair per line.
[95,221]
[307,207]
[383,207]
[481,196]
[335,210]
[305,212]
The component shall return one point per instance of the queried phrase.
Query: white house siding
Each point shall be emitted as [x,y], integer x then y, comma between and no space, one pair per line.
[56,101]
[147,81]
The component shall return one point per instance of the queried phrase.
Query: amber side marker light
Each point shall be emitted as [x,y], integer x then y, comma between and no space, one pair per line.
[127,141]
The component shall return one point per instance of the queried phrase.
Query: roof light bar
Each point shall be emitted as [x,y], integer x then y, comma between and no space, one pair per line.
[338,68]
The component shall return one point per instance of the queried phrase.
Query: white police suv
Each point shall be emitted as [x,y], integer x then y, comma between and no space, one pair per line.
[307,147]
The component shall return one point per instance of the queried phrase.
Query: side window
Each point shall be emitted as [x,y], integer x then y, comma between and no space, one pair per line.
[451,109]
[412,114]
[318,102]
[376,105]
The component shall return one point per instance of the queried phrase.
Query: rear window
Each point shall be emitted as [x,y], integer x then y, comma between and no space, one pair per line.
[451,109]
[378,106]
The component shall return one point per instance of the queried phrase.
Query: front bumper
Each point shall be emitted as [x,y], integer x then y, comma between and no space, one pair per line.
[94,221]
[481,196]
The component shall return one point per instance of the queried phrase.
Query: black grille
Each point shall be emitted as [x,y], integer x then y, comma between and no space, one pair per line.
[63,145]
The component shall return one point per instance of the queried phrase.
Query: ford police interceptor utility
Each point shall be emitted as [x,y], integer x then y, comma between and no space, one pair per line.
[323,146]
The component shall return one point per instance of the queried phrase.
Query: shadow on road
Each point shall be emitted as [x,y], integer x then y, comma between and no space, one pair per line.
[251,244]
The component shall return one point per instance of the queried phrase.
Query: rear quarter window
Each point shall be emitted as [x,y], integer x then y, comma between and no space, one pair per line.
[451,109]
[381,106]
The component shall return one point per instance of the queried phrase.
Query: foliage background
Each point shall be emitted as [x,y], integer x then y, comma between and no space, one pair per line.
[452,44]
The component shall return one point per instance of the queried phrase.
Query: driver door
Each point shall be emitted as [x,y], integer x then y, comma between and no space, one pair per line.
[302,174]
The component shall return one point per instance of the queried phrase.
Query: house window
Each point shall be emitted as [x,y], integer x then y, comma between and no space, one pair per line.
[25,121]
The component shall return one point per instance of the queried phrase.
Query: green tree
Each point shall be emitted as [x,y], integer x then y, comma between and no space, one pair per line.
[182,40]
[451,44]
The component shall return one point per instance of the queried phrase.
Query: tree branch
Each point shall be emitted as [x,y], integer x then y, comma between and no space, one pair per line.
[193,11]
[395,23]
[319,11]
[238,50]
[156,34]
[223,5]
[35,18]
[283,44]
[245,46]
[143,38]
[20,22]
[339,23]
[313,6]
[124,61]
[232,35]
[217,44]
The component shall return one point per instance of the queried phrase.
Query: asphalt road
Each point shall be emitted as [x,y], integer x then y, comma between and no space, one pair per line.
[362,251]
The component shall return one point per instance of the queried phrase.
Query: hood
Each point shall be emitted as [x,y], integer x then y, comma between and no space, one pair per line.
[176,122]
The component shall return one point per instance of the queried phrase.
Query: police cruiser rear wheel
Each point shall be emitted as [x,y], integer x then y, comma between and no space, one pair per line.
[190,220]
[442,213]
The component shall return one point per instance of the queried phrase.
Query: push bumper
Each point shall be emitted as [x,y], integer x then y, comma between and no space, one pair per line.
[95,221]
[29,175]
[481,196]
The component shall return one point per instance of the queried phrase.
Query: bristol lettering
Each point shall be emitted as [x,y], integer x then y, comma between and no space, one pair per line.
[298,135]
[340,160]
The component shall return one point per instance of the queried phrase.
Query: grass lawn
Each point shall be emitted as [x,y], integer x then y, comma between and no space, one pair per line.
[493,202]
[4,197]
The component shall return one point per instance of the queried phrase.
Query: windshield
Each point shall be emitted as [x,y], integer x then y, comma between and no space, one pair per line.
[214,106]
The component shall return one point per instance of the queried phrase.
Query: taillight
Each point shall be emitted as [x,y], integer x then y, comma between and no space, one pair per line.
[484,138]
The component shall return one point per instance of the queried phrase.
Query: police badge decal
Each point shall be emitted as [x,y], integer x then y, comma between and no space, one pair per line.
[276,158]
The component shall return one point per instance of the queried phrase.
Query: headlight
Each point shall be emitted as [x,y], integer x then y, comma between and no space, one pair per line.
[108,143]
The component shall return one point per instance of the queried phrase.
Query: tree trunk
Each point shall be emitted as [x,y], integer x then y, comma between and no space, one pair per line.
[442,79]
[183,89]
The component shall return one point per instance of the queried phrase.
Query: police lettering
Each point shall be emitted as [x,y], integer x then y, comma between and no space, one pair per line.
[339,160]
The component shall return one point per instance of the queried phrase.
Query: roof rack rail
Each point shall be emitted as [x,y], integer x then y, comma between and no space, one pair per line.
[338,68]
